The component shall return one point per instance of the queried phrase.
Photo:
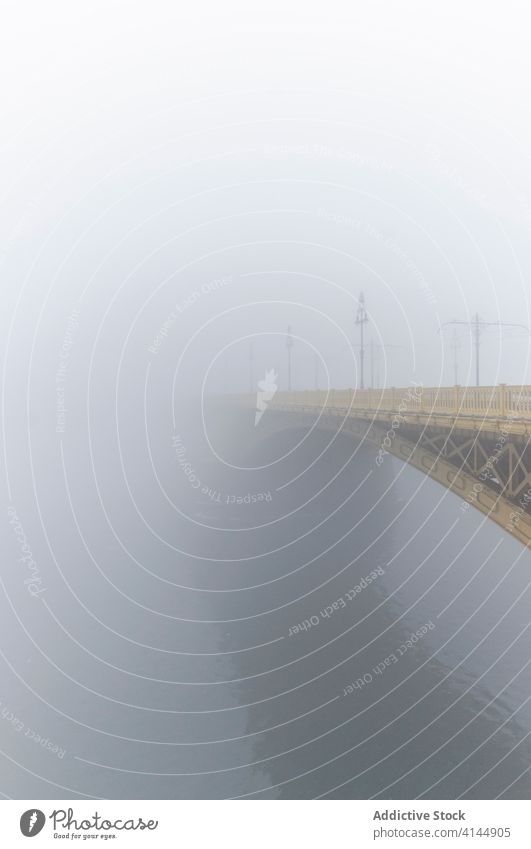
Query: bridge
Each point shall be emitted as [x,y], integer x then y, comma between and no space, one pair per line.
[473,440]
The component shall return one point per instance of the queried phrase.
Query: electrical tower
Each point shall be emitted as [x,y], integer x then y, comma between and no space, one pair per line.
[476,327]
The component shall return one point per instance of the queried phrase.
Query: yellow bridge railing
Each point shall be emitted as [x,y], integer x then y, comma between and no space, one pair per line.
[498,402]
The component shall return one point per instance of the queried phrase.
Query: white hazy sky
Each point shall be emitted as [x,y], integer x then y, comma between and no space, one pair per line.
[305,150]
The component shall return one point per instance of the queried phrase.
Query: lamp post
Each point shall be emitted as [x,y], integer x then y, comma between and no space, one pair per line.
[361,319]
[456,345]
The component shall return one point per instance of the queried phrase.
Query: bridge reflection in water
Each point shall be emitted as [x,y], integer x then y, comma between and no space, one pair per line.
[474,441]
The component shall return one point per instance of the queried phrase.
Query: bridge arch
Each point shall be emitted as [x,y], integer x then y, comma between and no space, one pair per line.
[473,442]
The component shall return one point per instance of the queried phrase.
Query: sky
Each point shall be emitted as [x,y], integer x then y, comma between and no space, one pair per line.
[297,154]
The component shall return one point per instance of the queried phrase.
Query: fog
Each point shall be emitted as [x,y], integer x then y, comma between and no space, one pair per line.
[185,191]
[145,158]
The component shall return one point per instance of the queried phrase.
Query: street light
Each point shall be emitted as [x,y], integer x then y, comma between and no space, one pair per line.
[456,344]
[361,319]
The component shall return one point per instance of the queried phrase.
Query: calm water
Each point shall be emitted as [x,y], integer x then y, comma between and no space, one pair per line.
[219,640]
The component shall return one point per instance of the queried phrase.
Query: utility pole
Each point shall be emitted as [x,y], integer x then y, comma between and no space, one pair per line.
[289,346]
[455,345]
[477,331]
[476,327]
[361,319]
